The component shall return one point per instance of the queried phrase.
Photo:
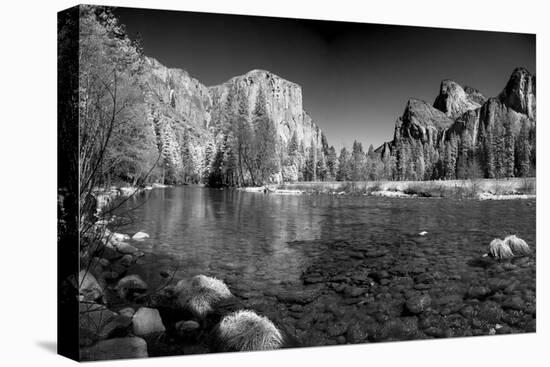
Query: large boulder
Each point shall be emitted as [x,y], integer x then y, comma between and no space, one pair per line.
[147,321]
[97,322]
[117,348]
[89,288]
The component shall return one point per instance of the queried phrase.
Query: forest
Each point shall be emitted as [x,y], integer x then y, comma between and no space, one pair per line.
[132,131]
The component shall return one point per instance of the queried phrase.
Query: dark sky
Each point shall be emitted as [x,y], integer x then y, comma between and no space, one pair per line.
[355,78]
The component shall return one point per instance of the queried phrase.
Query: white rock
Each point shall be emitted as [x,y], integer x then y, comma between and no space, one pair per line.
[147,321]
[140,236]
[423,233]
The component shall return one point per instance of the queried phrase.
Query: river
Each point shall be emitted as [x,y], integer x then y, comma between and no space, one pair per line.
[337,269]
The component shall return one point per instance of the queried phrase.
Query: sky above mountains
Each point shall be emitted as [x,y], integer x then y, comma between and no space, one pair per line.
[355,78]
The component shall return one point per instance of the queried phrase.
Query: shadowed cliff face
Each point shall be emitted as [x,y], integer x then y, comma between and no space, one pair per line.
[189,116]
[464,134]
[520,93]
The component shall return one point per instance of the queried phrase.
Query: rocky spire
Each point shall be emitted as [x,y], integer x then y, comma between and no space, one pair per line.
[520,93]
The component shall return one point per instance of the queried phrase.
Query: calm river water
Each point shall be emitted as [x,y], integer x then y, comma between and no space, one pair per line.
[337,269]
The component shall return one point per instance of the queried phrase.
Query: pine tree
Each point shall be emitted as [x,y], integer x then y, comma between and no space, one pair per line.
[357,162]
[343,173]
[332,163]
[322,170]
[266,159]
[523,152]
[509,154]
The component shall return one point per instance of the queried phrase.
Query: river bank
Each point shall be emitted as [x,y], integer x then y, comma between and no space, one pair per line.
[482,189]
[105,196]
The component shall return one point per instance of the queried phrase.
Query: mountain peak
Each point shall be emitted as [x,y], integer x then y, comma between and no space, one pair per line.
[520,92]
[454,100]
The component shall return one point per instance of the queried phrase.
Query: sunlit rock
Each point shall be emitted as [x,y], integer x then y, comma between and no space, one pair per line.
[140,236]
[147,321]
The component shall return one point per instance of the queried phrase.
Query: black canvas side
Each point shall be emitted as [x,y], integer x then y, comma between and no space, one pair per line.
[67,182]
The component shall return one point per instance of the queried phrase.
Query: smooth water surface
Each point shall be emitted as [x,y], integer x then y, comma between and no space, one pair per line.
[347,250]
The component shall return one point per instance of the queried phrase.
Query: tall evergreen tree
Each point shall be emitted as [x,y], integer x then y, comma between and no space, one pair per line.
[266,160]
[332,163]
[344,172]
[357,162]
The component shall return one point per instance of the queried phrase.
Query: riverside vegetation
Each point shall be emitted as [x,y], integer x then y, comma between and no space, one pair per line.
[144,126]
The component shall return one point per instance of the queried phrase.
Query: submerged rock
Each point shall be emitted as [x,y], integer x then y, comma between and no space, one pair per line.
[187,328]
[301,297]
[117,348]
[125,248]
[130,286]
[418,303]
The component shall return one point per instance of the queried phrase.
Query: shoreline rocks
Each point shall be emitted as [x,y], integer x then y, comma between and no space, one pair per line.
[147,321]
[116,348]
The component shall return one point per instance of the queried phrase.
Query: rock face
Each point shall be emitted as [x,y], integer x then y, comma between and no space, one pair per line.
[453,100]
[188,116]
[520,93]
[422,121]
[465,135]
[283,104]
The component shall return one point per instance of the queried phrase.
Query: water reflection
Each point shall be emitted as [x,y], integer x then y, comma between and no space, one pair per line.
[253,236]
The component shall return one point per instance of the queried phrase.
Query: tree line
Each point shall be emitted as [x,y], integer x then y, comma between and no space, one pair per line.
[124,138]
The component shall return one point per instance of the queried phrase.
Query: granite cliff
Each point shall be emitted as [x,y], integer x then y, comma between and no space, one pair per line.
[195,124]
[464,134]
